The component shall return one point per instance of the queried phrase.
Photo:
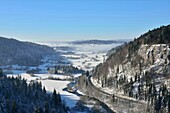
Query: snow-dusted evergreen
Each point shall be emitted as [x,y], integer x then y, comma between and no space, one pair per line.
[19,97]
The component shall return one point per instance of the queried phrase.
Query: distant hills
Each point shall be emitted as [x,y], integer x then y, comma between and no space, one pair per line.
[22,53]
[79,42]
[98,41]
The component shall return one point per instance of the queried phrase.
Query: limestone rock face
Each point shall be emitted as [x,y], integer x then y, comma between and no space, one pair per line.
[150,53]
[150,58]
[156,57]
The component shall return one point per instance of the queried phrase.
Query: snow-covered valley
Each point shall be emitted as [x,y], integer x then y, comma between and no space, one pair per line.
[81,56]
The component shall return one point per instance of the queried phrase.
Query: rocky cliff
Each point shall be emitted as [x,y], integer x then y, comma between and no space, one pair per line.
[150,53]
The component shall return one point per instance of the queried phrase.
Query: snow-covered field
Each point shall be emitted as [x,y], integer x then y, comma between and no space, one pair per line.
[83,56]
[70,98]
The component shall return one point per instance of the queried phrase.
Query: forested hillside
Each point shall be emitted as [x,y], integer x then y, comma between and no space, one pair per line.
[140,69]
[19,97]
[22,53]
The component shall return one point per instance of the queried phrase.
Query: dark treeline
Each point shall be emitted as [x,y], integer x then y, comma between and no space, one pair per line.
[65,69]
[16,96]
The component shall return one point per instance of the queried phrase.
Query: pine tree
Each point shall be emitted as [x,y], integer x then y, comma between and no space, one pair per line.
[158,103]
[139,90]
[59,99]
[44,90]
[131,80]
[14,107]
[54,97]
[136,77]
[46,107]
[36,110]
[1,72]
[87,73]
[113,96]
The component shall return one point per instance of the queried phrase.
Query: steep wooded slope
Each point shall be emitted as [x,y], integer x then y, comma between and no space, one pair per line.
[148,53]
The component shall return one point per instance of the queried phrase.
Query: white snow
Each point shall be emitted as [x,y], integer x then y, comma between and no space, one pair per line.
[46,76]
[79,92]
[76,75]
[50,85]
[26,76]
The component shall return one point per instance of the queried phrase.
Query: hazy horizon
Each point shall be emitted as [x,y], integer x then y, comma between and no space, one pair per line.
[64,20]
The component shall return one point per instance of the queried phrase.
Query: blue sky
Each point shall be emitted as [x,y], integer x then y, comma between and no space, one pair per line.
[44,20]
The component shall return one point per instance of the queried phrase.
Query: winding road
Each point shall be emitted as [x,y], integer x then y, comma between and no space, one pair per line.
[123,103]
